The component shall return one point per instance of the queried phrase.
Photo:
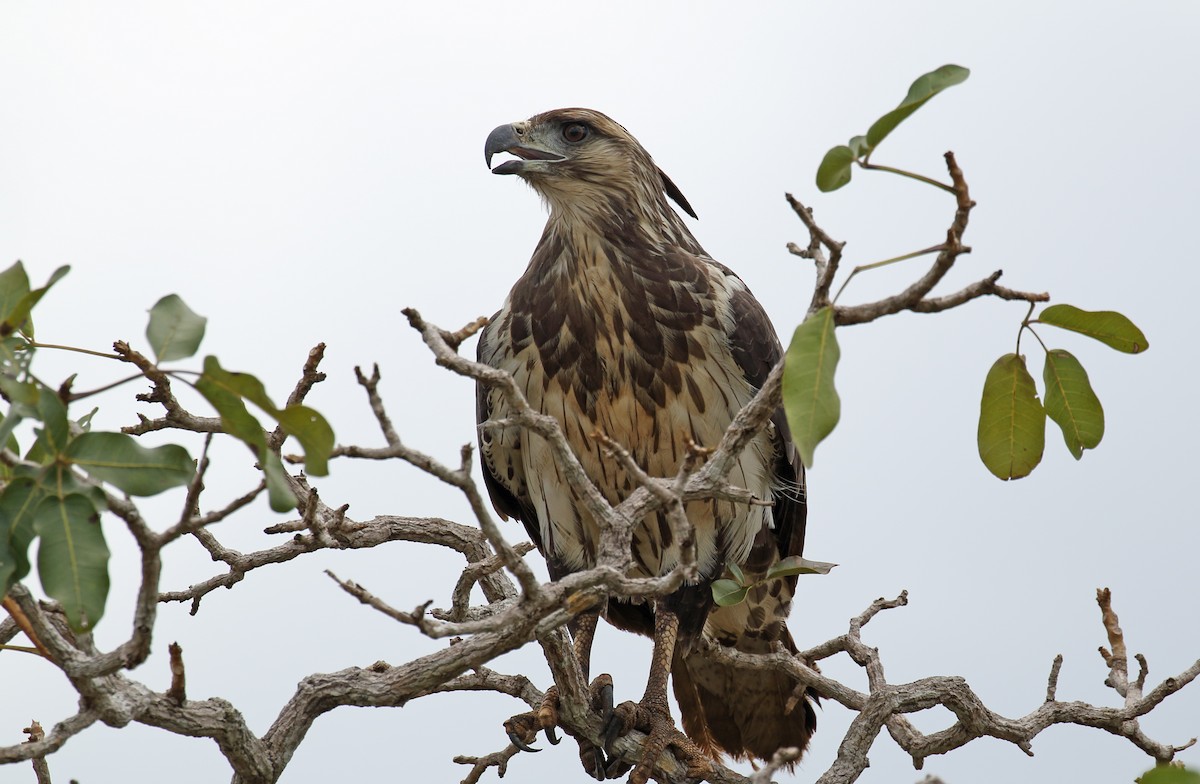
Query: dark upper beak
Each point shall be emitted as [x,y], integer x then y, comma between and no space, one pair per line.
[512,139]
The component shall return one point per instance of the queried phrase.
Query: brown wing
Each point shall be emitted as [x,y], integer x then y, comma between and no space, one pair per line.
[508,497]
[757,350]
[506,485]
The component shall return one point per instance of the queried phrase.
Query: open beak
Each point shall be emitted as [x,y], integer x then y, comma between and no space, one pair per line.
[507,138]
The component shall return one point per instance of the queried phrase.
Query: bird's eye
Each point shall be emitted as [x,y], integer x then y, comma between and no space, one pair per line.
[575,132]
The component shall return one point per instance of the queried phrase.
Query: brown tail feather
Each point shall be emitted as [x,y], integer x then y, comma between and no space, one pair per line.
[740,711]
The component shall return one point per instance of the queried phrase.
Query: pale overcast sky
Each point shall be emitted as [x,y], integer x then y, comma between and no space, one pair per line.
[299,172]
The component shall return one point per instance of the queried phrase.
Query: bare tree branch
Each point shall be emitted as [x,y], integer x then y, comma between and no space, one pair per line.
[982,288]
[826,254]
[885,704]
[350,535]
[951,250]
[309,377]
[819,242]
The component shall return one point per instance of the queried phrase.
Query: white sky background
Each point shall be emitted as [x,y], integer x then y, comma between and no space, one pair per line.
[299,172]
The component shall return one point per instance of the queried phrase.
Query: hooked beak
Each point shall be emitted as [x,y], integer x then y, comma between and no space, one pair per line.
[510,139]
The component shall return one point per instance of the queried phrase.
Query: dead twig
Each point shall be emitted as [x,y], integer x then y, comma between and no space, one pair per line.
[479,765]
[40,768]
[177,693]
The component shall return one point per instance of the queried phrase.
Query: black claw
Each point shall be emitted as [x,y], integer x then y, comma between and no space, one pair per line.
[617,768]
[552,736]
[593,762]
[612,730]
[606,703]
[520,744]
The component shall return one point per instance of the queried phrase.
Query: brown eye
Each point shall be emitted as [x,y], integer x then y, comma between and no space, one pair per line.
[575,132]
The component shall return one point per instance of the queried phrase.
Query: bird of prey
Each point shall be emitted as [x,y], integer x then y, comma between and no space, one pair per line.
[623,324]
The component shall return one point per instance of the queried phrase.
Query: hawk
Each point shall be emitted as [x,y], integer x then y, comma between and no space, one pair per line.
[623,324]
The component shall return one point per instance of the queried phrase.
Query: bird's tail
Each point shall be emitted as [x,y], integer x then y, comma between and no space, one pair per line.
[742,711]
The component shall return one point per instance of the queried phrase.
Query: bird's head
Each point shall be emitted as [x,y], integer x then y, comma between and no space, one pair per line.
[580,158]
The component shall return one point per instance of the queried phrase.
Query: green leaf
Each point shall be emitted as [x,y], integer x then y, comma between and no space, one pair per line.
[85,421]
[304,423]
[834,171]
[242,384]
[314,434]
[1107,326]
[727,593]
[15,359]
[8,566]
[794,564]
[1012,422]
[17,502]
[73,558]
[215,384]
[858,146]
[224,390]
[14,285]
[925,87]
[175,330]
[15,355]
[117,458]
[279,493]
[1071,403]
[23,394]
[1169,774]
[809,397]
[738,575]
[9,442]
[53,436]
[19,318]
[59,480]
[7,425]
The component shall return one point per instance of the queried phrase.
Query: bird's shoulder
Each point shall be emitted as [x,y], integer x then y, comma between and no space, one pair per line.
[748,329]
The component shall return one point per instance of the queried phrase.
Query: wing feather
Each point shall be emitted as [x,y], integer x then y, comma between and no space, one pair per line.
[508,495]
[756,350]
